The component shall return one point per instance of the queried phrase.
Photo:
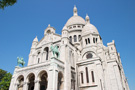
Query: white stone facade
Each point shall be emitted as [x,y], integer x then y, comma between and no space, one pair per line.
[84,63]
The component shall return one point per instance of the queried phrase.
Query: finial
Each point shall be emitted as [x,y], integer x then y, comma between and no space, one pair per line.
[75,10]
[87,18]
[48,25]
[35,39]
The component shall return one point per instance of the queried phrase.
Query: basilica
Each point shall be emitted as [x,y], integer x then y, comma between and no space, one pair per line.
[74,60]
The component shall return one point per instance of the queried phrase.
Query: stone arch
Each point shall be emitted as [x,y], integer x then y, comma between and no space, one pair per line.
[43,80]
[31,80]
[60,81]
[20,82]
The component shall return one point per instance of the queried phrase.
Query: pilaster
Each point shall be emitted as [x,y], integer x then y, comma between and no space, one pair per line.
[53,75]
[25,86]
[36,85]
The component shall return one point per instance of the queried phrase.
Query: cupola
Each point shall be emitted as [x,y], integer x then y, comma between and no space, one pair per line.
[49,30]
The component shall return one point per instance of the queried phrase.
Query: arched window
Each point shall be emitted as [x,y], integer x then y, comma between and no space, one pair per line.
[82,78]
[87,76]
[96,40]
[49,32]
[38,58]
[74,26]
[47,52]
[70,39]
[93,40]
[75,38]
[88,40]
[89,55]
[92,75]
[79,37]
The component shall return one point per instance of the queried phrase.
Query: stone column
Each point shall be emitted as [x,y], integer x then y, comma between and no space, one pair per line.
[16,86]
[52,76]
[36,87]
[25,86]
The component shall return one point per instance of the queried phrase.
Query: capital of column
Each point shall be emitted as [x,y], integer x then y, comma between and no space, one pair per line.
[16,83]
[25,83]
[36,81]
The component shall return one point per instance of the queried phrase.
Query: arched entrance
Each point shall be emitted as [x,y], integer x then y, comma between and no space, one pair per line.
[31,79]
[60,81]
[43,80]
[20,81]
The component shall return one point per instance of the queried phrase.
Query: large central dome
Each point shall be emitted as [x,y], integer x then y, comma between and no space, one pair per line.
[75,19]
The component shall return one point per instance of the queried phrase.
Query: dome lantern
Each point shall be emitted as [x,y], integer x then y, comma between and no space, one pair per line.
[87,18]
[75,11]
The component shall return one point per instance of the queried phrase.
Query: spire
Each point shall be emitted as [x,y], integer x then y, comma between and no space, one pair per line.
[75,11]
[35,39]
[87,18]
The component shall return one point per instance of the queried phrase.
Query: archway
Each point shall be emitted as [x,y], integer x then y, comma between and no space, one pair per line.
[60,81]
[43,80]
[31,79]
[20,81]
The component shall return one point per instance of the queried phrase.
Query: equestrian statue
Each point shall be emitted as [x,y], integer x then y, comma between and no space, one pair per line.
[55,51]
[20,61]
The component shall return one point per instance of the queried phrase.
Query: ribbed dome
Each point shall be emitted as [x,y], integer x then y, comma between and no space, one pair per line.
[75,20]
[89,28]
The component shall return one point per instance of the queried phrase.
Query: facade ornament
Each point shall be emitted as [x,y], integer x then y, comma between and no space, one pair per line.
[20,61]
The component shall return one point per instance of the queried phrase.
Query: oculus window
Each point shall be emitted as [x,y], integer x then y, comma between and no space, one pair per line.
[89,55]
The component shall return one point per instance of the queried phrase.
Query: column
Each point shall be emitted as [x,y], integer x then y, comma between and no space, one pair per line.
[16,86]
[52,76]
[25,86]
[36,87]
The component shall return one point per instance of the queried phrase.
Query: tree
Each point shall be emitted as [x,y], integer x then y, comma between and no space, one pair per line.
[2,74]
[5,79]
[5,3]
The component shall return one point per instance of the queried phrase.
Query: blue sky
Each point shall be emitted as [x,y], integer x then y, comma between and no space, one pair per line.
[22,22]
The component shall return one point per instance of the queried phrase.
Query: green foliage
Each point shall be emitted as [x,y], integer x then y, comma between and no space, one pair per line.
[5,3]
[5,79]
[2,74]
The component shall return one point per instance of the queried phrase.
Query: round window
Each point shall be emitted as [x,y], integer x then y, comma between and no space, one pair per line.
[89,55]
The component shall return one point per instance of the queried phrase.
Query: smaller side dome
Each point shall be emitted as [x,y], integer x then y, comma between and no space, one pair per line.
[49,30]
[89,28]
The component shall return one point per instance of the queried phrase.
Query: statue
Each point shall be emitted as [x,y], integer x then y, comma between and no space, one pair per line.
[55,51]
[20,61]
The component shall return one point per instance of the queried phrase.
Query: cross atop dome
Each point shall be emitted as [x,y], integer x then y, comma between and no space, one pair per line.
[75,11]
